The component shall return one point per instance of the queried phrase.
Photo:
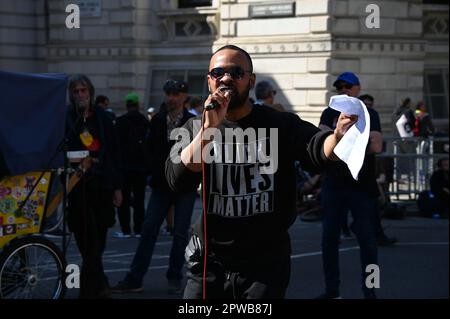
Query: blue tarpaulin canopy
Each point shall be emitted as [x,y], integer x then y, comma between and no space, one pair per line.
[32,120]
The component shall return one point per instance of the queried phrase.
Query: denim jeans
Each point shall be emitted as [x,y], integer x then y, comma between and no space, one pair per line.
[157,208]
[337,201]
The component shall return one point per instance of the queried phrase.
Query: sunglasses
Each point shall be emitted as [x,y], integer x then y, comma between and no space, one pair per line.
[236,73]
[347,86]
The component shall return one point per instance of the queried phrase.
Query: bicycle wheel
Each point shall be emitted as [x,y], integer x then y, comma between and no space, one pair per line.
[54,222]
[32,267]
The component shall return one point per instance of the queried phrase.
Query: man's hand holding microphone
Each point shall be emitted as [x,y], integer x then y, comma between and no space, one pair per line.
[216,106]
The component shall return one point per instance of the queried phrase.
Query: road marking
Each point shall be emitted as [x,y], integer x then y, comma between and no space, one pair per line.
[128,269]
[132,254]
[316,253]
[77,254]
[436,243]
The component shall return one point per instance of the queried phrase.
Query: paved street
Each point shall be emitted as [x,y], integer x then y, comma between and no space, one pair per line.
[416,267]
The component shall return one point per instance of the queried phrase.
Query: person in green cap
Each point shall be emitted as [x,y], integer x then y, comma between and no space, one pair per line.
[132,100]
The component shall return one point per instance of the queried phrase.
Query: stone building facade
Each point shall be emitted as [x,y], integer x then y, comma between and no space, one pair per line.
[300,46]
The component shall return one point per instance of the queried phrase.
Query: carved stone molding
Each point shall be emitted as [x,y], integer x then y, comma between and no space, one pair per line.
[378,46]
[436,24]
[190,24]
[282,47]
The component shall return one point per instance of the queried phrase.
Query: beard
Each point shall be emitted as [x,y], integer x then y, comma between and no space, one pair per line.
[82,105]
[238,99]
[174,107]
[170,107]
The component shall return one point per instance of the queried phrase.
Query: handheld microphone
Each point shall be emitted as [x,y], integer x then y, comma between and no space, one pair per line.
[211,105]
[214,103]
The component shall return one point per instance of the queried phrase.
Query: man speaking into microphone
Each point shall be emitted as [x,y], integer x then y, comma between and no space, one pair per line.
[247,208]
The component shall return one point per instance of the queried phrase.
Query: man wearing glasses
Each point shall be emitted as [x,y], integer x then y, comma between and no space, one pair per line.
[341,193]
[248,209]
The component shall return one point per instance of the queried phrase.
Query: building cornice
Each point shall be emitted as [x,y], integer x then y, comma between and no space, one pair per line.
[378,46]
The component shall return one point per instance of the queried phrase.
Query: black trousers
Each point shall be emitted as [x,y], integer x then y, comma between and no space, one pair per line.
[262,279]
[89,216]
[135,183]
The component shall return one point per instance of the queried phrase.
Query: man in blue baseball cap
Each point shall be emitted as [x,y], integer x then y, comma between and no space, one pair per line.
[347,77]
[347,83]
[341,193]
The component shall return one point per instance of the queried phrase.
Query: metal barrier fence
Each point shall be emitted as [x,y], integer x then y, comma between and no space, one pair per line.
[413,161]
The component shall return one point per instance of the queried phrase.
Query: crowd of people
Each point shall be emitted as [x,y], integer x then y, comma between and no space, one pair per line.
[229,254]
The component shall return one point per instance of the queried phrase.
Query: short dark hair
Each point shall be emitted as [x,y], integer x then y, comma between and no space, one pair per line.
[263,90]
[339,85]
[406,102]
[367,97]
[131,105]
[84,80]
[101,99]
[236,48]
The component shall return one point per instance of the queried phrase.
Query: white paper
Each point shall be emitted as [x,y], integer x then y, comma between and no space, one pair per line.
[351,149]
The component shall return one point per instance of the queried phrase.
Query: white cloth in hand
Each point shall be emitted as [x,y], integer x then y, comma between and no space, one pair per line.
[351,149]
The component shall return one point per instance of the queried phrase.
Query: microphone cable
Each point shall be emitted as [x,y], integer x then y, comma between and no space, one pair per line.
[205,237]
[214,104]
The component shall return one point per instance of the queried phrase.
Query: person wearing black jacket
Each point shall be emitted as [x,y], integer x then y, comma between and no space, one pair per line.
[132,129]
[250,203]
[91,213]
[158,147]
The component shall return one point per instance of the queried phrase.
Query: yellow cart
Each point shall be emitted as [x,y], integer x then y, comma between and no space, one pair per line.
[31,265]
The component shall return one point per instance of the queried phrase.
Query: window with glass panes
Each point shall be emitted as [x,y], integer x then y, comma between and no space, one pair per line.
[195,79]
[436,93]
